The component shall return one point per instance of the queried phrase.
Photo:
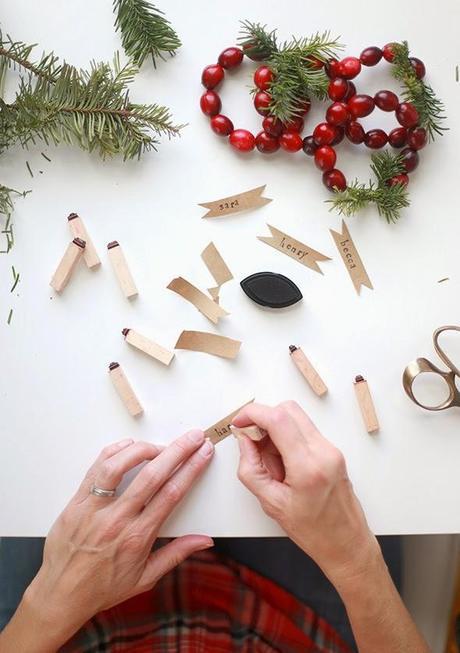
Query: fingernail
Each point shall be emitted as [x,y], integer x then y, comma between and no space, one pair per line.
[206,545]
[206,448]
[125,442]
[196,436]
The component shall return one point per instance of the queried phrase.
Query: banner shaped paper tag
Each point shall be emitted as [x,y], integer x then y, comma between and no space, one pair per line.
[351,258]
[208,343]
[216,264]
[202,302]
[250,199]
[294,248]
[221,429]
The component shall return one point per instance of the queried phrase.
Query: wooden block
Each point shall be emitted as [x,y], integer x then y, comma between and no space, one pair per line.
[121,270]
[148,346]
[253,432]
[124,389]
[67,265]
[364,397]
[78,230]
[307,370]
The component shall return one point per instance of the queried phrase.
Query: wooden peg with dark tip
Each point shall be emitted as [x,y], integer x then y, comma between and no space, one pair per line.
[307,370]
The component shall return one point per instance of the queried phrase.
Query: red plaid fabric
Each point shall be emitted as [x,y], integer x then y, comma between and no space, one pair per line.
[209,604]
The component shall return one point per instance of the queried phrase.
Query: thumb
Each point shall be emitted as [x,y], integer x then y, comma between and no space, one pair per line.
[252,471]
[170,555]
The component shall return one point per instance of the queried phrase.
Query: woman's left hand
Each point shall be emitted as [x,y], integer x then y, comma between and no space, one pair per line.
[99,551]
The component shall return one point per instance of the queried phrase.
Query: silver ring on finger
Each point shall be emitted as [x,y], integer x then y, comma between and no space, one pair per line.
[99,492]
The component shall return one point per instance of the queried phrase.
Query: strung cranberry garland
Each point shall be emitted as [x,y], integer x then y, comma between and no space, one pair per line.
[274,134]
[348,106]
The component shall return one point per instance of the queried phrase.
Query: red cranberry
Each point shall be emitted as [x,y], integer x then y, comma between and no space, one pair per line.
[314,62]
[337,114]
[350,67]
[355,132]
[324,133]
[410,159]
[407,114]
[386,100]
[266,143]
[210,103]
[361,105]
[309,146]
[339,136]
[230,58]
[263,77]
[417,138]
[332,68]
[398,179]
[418,66]
[351,92]
[304,107]
[371,56]
[335,180]
[272,126]
[221,125]
[398,137]
[325,158]
[337,89]
[262,101]
[242,140]
[388,52]
[375,139]
[212,76]
[291,141]
[294,125]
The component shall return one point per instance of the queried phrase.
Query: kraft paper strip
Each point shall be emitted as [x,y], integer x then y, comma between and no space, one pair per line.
[208,343]
[202,302]
[351,258]
[221,429]
[214,292]
[216,264]
[253,432]
[294,248]
[250,199]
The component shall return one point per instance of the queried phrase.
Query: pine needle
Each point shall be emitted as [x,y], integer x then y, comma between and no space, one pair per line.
[144,30]
[15,279]
[10,315]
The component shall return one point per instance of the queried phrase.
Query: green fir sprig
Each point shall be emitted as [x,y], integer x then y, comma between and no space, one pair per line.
[145,32]
[430,108]
[389,199]
[294,63]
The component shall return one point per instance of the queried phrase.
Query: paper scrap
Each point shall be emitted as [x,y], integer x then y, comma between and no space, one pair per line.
[250,199]
[202,302]
[351,258]
[294,248]
[253,432]
[208,343]
[221,429]
[216,264]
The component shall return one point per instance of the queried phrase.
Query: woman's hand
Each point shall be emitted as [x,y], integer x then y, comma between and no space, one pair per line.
[99,551]
[301,481]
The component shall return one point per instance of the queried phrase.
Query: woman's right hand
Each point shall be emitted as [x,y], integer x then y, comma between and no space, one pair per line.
[301,481]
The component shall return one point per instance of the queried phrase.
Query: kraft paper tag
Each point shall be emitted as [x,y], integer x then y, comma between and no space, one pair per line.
[351,258]
[294,248]
[253,432]
[221,429]
[208,343]
[202,302]
[250,199]
[216,265]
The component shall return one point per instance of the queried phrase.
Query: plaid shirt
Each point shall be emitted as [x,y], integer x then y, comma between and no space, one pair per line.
[209,604]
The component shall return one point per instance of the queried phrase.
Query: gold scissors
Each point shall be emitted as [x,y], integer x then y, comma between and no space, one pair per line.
[422,365]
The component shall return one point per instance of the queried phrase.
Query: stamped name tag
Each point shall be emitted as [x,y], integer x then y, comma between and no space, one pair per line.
[250,199]
[294,248]
[351,258]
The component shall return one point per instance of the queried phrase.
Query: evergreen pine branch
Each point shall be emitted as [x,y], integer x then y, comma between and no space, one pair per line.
[144,30]
[16,54]
[91,109]
[430,108]
[257,42]
[389,199]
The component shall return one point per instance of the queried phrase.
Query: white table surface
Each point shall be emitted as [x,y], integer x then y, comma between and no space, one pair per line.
[58,407]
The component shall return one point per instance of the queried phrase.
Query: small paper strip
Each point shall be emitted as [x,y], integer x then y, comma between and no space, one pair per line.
[214,292]
[208,343]
[202,302]
[250,199]
[294,248]
[351,258]
[221,429]
[253,432]
[216,264]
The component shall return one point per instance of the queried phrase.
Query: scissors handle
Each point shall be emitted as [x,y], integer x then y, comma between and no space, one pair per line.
[422,365]
[440,351]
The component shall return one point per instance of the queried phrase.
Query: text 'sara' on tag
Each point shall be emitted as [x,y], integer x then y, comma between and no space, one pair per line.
[271,289]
